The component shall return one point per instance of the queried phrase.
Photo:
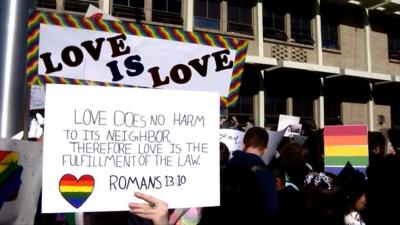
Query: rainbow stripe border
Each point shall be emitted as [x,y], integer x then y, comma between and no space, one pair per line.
[139,29]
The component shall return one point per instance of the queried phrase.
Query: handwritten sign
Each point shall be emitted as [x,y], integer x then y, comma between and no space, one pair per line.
[346,143]
[285,121]
[134,60]
[232,138]
[104,143]
[20,181]
[37,97]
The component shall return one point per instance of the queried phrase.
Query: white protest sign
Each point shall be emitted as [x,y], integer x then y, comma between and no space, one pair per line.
[293,130]
[231,138]
[102,144]
[274,138]
[285,121]
[37,97]
[96,13]
[20,181]
[134,60]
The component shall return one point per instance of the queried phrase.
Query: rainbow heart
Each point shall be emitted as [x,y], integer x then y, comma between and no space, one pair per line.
[76,192]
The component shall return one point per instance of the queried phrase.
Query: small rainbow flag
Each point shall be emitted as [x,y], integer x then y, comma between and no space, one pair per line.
[10,176]
[348,143]
[76,192]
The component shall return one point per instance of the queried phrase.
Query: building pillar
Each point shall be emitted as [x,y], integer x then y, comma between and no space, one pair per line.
[105,5]
[319,107]
[14,15]
[189,16]
[318,32]
[224,16]
[289,106]
[371,103]
[259,30]
[259,103]
[367,40]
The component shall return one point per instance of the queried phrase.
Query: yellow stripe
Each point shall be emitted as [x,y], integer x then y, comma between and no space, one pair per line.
[12,157]
[346,150]
[76,188]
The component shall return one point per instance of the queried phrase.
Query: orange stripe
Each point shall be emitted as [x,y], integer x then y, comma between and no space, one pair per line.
[73,183]
[346,140]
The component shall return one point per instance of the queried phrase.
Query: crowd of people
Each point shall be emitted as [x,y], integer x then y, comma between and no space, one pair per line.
[292,189]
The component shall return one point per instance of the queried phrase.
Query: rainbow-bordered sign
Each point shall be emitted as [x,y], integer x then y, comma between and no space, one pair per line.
[219,61]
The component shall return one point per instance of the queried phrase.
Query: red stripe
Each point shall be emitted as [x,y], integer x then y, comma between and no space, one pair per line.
[75,183]
[345,130]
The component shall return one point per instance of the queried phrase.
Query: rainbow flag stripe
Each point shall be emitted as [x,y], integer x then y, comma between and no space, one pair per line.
[139,29]
[76,192]
[344,144]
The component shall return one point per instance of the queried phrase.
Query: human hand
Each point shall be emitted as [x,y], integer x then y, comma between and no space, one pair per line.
[154,210]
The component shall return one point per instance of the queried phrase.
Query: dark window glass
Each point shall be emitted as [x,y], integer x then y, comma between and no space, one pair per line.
[330,37]
[301,29]
[129,9]
[240,17]
[303,108]
[51,4]
[394,46]
[273,107]
[274,25]
[79,5]
[167,11]
[207,14]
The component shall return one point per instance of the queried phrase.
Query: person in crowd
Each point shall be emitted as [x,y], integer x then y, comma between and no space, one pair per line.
[223,154]
[315,146]
[354,188]
[376,147]
[293,165]
[322,200]
[255,143]
[154,210]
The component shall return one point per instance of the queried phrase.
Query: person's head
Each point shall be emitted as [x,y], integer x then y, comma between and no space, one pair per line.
[279,175]
[293,163]
[354,188]
[376,144]
[322,200]
[255,140]
[223,154]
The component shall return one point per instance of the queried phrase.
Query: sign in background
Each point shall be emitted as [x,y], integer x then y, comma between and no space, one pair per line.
[20,176]
[348,143]
[102,144]
[286,121]
[124,65]
[233,139]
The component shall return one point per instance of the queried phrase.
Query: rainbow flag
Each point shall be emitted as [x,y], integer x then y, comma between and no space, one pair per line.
[74,191]
[342,144]
[10,176]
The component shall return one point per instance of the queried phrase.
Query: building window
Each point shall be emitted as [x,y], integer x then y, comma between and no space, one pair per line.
[330,37]
[50,4]
[133,9]
[274,25]
[240,17]
[79,5]
[207,14]
[301,29]
[274,106]
[167,11]
[394,46]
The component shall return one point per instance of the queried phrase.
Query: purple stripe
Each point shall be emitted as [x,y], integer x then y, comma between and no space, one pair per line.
[336,170]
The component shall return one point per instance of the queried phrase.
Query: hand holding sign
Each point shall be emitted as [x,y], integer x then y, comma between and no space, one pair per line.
[154,210]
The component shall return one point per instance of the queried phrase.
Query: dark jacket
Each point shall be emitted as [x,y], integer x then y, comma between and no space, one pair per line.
[265,180]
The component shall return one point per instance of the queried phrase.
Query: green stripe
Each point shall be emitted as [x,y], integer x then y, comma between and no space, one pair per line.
[76,194]
[342,160]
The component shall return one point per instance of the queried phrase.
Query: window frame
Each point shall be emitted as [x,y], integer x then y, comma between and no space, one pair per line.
[208,18]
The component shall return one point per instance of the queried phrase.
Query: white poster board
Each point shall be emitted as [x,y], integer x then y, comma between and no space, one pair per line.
[233,139]
[274,139]
[134,60]
[285,121]
[20,175]
[102,144]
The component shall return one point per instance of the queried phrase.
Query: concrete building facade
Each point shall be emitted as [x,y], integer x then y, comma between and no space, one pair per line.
[327,61]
